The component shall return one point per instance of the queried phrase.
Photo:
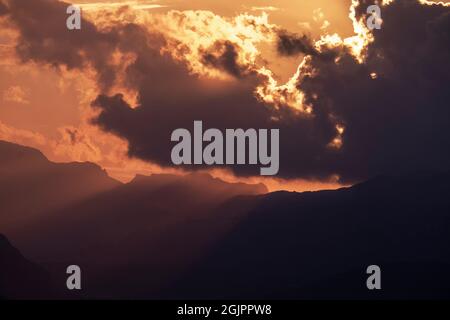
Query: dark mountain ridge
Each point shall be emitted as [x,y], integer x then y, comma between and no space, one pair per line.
[31,186]
[20,278]
[114,226]
[319,244]
[194,236]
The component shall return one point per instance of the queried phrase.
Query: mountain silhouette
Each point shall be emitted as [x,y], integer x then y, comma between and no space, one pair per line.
[20,278]
[318,245]
[163,218]
[119,226]
[194,236]
[31,186]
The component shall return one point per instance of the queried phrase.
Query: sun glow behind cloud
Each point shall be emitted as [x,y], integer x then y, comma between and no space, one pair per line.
[133,5]
[188,33]
[189,36]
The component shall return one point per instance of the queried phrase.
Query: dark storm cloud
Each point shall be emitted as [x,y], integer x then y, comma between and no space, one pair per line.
[164,109]
[179,100]
[289,44]
[224,56]
[397,121]
[3,9]
[401,119]
[44,38]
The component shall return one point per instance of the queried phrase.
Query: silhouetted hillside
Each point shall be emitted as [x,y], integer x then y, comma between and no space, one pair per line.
[31,186]
[281,245]
[198,183]
[151,229]
[193,236]
[119,228]
[319,244]
[20,278]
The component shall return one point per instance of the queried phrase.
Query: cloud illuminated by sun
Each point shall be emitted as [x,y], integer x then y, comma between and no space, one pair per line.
[134,5]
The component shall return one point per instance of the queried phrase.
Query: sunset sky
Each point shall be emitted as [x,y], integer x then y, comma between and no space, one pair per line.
[350,103]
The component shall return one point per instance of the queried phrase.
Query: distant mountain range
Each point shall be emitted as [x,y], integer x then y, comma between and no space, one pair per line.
[20,278]
[319,244]
[193,236]
[31,186]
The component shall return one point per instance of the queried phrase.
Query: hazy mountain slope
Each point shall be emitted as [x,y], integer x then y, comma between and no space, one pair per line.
[194,236]
[20,278]
[31,186]
[318,245]
[150,229]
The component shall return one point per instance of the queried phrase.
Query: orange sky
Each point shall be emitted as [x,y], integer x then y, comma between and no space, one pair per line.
[43,108]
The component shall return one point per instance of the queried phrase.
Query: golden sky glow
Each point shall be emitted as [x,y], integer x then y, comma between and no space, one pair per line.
[46,108]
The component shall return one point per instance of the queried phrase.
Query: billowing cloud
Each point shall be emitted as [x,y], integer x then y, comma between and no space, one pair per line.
[371,103]
[291,44]
[135,5]
[398,119]
[45,40]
